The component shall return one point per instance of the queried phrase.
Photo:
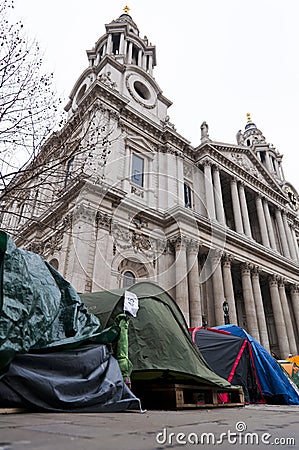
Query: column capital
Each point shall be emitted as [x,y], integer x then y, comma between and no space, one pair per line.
[216,255]
[274,279]
[256,271]
[179,242]
[246,267]
[242,184]
[193,245]
[295,288]
[207,163]
[169,247]
[282,282]
[227,259]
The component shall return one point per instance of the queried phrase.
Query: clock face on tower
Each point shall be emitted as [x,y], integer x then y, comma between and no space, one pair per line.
[293,198]
[141,90]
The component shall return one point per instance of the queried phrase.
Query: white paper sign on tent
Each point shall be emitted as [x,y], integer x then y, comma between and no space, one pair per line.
[131,303]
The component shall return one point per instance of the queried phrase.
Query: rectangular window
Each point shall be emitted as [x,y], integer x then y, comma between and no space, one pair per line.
[137,170]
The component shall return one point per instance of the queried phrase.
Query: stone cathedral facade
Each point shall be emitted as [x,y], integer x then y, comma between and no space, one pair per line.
[124,197]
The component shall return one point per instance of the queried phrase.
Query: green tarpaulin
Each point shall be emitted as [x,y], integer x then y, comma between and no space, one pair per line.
[160,345]
[38,308]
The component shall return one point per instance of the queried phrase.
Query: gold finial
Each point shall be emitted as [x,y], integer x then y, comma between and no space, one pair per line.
[126,9]
[248,117]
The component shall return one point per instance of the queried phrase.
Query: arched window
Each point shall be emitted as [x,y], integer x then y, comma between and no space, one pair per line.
[69,170]
[129,279]
[54,263]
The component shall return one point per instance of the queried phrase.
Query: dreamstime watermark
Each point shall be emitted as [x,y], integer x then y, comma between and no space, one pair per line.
[238,436]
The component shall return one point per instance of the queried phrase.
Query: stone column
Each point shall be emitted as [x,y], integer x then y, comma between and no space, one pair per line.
[218,291]
[144,61]
[287,318]
[259,307]
[180,181]
[285,248]
[122,44]
[262,221]
[218,196]
[130,52]
[229,288]
[167,279]
[150,64]
[140,55]
[236,206]
[181,291]
[289,237]
[295,241]
[251,317]
[278,317]
[295,304]
[207,288]
[244,210]
[193,284]
[109,44]
[210,203]
[269,225]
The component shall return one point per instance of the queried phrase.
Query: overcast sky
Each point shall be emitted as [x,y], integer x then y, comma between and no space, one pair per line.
[216,60]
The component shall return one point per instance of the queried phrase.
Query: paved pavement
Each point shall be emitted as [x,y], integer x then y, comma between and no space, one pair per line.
[223,428]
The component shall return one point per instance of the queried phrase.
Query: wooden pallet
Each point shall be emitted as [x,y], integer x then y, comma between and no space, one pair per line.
[12,411]
[182,396]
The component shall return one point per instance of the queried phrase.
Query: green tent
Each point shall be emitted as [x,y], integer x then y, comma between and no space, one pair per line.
[160,346]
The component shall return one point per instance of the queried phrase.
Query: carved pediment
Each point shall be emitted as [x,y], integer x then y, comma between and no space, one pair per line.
[245,163]
[140,144]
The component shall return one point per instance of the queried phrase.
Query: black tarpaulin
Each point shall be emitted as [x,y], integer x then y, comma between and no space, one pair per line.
[85,379]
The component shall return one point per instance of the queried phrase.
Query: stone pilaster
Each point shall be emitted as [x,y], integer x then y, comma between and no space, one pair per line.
[284,243]
[229,288]
[236,206]
[287,318]
[289,237]
[295,241]
[262,221]
[269,225]
[209,190]
[218,196]
[218,291]
[195,303]
[244,210]
[251,316]
[83,233]
[278,317]
[259,307]
[295,303]
[181,291]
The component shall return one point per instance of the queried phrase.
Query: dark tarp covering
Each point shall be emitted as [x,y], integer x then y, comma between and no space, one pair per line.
[39,308]
[43,328]
[229,357]
[160,345]
[274,384]
[84,379]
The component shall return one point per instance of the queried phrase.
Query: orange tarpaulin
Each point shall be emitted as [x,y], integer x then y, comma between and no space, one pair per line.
[294,359]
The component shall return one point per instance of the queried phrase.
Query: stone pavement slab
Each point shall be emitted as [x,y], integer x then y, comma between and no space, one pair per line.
[253,426]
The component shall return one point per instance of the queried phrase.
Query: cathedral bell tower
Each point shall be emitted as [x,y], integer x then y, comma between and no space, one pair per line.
[266,153]
[123,62]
